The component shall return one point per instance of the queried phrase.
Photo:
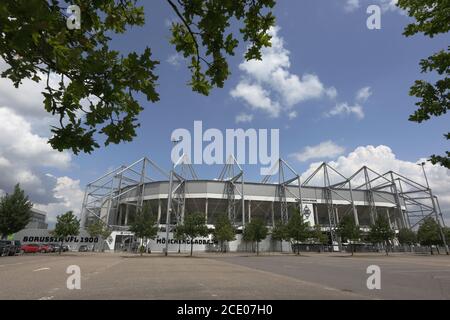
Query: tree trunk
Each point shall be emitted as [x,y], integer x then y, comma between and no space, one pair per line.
[387,249]
[281,246]
[352,249]
[257,248]
[61,246]
[93,247]
[431,250]
[192,246]
[437,248]
[179,246]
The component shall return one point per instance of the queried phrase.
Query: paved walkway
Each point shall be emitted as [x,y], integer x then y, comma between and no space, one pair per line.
[230,276]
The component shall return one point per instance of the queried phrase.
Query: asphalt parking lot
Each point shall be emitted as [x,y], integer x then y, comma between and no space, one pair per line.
[230,276]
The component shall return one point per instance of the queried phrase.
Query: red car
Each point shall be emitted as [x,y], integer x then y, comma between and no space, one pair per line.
[30,248]
[44,248]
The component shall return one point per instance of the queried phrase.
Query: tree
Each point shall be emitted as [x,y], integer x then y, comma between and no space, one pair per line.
[179,236]
[224,231]
[318,236]
[255,231]
[67,225]
[381,232]
[432,18]
[194,226]
[279,233]
[348,230]
[96,87]
[106,232]
[297,229]
[429,234]
[446,231]
[98,229]
[144,226]
[406,237]
[15,212]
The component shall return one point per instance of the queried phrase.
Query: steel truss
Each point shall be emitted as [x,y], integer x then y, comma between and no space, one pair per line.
[181,172]
[322,174]
[176,194]
[279,169]
[102,196]
[364,178]
[413,201]
[233,176]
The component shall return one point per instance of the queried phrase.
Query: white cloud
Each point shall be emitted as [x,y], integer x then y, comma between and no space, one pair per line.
[175,59]
[25,155]
[389,5]
[70,196]
[331,93]
[18,143]
[386,5]
[27,100]
[382,159]
[357,109]
[324,150]
[292,115]
[244,118]
[268,84]
[256,97]
[345,109]
[363,94]
[294,90]
[351,5]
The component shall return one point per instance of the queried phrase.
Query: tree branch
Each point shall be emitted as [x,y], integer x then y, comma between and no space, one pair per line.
[188,27]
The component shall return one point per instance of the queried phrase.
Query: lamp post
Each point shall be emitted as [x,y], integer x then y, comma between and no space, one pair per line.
[424,173]
[433,201]
[169,202]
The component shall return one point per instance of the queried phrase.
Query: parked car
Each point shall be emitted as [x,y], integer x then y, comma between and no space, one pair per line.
[18,245]
[51,247]
[11,247]
[57,246]
[5,248]
[30,248]
[45,248]
[83,248]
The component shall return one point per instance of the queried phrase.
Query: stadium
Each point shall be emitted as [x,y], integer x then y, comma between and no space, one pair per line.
[323,198]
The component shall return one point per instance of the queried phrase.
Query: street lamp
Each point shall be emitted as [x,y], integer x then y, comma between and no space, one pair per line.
[169,201]
[433,201]
[424,173]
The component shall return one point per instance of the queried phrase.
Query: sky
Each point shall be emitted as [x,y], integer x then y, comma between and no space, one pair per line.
[337,91]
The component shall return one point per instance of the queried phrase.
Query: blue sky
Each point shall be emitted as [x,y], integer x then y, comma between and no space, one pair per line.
[325,39]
